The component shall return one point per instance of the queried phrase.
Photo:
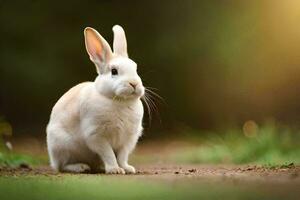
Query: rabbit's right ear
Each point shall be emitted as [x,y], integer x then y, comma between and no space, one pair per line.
[98,49]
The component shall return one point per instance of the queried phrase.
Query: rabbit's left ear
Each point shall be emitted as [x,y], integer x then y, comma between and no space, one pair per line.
[120,43]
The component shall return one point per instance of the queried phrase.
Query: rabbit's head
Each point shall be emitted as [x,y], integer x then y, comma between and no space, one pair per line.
[117,74]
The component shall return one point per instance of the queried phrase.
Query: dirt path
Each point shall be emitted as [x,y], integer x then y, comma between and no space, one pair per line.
[288,174]
[155,166]
[194,181]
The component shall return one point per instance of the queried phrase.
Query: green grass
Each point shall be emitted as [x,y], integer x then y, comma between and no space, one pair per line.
[268,145]
[9,158]
[122,187]
[13,159]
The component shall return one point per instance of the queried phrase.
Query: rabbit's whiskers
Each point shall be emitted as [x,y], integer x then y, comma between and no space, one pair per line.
[149,100]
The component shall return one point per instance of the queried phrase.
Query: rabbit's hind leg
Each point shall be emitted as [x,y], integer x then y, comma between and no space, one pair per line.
[62,160]
[66,154]
[76,168]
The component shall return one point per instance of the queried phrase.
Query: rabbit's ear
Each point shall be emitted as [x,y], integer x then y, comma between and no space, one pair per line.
[120,43]
[97,48]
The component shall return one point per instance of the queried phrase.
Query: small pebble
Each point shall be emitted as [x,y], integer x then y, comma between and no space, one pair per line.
[9,146]
[192,170]
[24,165]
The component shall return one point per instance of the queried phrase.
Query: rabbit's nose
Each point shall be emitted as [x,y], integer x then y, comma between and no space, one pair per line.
[133,84]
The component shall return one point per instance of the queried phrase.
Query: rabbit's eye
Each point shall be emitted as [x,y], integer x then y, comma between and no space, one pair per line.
[114,71]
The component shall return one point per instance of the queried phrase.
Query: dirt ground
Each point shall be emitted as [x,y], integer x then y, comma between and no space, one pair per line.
[282,182]
[158,170]
[219,181]
[287,174]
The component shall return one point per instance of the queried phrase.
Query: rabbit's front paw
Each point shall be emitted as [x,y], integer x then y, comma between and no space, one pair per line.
[114,170]
[129,169]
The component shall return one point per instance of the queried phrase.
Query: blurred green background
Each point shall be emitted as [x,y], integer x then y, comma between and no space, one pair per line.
[216,63]
[228,71]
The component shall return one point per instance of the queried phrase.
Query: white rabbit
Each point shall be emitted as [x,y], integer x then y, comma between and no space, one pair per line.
[96,125]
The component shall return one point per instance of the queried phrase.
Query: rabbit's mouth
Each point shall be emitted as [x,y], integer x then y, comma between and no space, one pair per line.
[126,97]
[128,94]
[132,95]
[138,92]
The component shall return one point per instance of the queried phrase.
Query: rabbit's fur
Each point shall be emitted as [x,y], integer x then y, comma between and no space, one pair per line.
[96,125]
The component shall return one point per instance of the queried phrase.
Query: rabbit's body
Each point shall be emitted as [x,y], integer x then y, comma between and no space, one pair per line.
[119,122]
[95,125]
